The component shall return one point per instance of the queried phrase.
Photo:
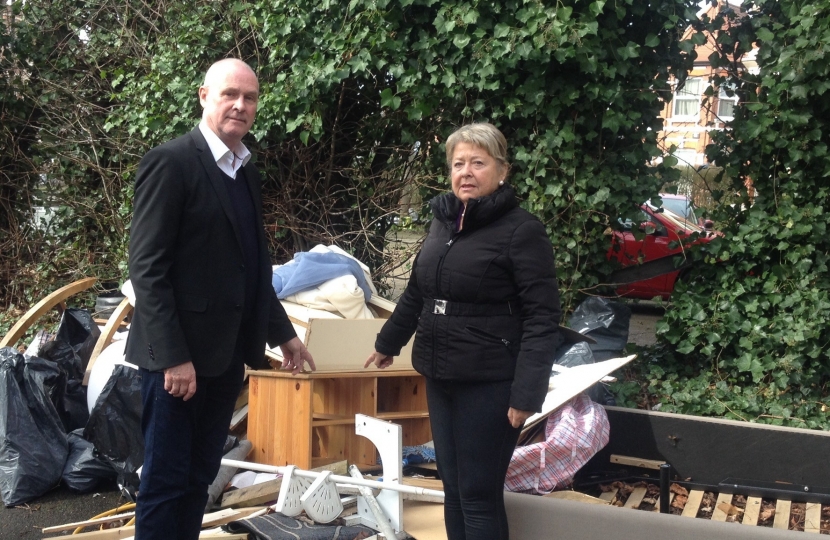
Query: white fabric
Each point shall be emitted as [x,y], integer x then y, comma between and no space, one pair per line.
[340,295]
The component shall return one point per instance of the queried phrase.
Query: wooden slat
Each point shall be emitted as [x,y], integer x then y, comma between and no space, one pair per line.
[657,502]
[121,533]
[637,462]
[113,323]
[782,515]
[87,523]
[214,519]
[635,498]
[42,307]
[812,518]
[722,507]
[753,508]
[692,504]
[608,495]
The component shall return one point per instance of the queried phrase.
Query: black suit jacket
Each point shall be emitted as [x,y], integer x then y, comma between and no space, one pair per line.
[187,266]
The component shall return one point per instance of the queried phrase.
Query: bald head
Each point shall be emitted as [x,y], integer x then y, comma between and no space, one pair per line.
[229,98]
[217,70]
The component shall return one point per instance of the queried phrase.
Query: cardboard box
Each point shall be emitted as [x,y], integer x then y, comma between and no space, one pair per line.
[338,344]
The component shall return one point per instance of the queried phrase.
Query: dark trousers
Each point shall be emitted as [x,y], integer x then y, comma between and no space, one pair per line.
[183,442]
[474,442]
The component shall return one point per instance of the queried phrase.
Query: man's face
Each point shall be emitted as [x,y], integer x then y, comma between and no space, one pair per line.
[229,101]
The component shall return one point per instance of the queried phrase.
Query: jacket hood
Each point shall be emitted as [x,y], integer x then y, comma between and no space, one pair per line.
[480,211]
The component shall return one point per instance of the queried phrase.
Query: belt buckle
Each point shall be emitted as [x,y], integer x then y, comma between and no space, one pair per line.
[440,307]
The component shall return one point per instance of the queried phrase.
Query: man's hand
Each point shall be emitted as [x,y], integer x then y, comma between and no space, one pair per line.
[180,380]
[517,417]
[295,355]
[379,359]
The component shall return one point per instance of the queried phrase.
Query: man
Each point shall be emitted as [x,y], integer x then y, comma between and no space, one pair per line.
[204,302]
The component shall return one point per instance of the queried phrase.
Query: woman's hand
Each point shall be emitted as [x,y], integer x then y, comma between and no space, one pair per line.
[379,359]
[517,417]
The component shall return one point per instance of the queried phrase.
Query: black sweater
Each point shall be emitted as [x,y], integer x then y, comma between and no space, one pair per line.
[502,309]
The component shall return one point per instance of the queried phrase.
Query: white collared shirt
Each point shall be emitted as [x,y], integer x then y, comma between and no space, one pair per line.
[224,156]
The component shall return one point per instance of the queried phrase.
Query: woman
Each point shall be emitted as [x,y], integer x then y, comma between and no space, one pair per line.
[484,301]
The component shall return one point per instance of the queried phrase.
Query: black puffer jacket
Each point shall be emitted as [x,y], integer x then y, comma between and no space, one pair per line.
[502,309]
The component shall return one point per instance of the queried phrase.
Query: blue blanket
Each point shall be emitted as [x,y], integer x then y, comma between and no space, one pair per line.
[310,270]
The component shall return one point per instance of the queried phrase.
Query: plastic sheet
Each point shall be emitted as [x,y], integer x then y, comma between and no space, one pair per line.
[84,470]
[114,425]
[33,446]
[605,321]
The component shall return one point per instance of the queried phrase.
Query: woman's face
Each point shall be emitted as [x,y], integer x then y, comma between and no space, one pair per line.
[474,172]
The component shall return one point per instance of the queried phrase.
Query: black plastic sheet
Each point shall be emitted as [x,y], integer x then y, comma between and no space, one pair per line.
[606,322]
[114,425]
[84,470]
[33,445]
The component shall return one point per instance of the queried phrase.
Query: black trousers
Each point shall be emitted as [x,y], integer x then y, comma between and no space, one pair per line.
[474,442]
[183,442]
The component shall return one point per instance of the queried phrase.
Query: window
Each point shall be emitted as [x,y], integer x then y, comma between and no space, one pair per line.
[726,103]
[687,99]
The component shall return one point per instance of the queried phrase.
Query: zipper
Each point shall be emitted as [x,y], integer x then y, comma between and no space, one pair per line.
[487,335]
[441,259]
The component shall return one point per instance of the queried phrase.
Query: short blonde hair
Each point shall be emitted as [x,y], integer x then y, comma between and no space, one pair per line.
[481,134]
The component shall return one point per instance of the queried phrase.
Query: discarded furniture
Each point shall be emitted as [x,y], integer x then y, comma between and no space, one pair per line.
[307,420]
[737,466]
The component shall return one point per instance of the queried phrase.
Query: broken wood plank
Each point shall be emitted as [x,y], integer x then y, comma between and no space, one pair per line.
[88,523]
[782,514]
[214,519]
[722,507]
[812,518]
[269,491]
[637,462]
[753,508]
[121,533]
[575,496]
[609,495]
[693,503]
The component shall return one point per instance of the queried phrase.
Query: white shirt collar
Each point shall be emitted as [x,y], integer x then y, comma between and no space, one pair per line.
[223,155]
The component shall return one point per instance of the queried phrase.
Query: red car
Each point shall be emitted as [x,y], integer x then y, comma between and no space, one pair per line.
[653,262]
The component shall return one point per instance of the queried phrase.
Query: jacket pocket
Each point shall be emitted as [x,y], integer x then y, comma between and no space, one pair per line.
[483,334]
[190,302]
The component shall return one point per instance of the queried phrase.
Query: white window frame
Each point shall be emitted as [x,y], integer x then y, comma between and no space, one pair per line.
[684,95]
[723,97]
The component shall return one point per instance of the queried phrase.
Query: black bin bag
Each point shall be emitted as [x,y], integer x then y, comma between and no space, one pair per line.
[69,394]
[84,470]
[78,329]
[114,425]
[33,446]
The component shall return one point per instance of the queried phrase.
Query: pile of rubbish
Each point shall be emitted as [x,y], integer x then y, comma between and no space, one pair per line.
[56,428]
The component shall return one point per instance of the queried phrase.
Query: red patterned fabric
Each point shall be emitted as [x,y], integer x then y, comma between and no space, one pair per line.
[573,434]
